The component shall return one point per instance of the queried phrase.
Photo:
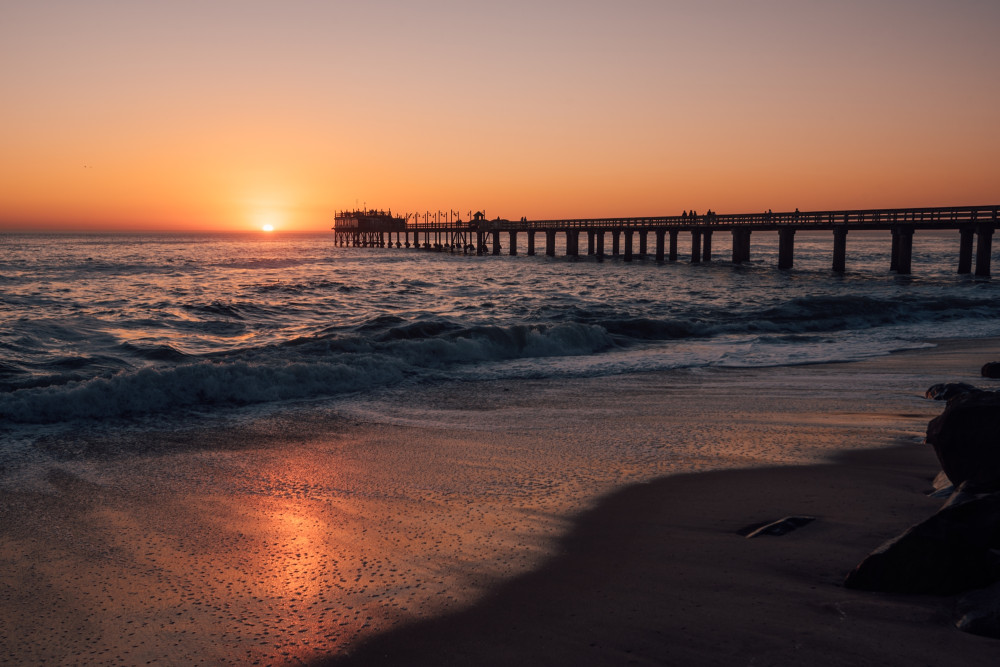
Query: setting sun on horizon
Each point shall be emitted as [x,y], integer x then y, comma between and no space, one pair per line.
[239,116]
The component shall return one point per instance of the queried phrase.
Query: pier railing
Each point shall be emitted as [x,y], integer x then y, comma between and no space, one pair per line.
[928,218]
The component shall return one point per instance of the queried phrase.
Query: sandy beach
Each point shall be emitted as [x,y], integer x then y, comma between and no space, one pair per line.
[517,523]
[658,575]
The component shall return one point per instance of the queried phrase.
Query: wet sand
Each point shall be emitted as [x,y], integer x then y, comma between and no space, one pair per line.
[658,574]
[496,523]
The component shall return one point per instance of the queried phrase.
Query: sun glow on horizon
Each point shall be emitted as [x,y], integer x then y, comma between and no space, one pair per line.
[267,228]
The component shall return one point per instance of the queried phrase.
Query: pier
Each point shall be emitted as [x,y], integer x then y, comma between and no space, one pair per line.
[630,236]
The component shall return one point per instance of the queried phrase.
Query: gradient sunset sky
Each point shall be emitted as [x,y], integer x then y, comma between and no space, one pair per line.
[231,114]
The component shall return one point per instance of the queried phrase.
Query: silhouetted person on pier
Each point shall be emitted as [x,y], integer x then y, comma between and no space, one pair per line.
[684,215]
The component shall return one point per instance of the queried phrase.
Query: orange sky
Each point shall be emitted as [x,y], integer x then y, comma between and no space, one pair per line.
[231,114]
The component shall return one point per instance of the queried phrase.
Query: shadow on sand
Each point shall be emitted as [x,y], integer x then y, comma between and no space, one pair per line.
[658,574]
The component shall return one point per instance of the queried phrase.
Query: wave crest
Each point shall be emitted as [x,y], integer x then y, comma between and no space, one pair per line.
[286,373]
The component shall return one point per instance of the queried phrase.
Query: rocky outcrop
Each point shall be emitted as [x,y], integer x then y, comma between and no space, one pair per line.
[948,390]
[966,437]
[979,612]
[953,551]
[991,370]
[957,550]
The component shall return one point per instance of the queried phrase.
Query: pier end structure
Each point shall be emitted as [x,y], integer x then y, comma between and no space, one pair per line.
[368,229]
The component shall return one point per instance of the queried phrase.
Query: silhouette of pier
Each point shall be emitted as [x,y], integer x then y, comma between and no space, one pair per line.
[975,226]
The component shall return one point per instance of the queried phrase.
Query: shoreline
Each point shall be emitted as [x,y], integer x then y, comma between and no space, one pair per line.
[658,573]
[296,549]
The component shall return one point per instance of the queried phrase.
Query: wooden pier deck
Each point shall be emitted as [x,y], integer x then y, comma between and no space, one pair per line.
[975,226]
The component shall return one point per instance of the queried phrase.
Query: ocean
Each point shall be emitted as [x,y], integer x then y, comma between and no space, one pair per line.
[118,327]
[266,447]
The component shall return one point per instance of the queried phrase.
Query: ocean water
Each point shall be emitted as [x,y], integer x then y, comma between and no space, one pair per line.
[268,448]
[118,327]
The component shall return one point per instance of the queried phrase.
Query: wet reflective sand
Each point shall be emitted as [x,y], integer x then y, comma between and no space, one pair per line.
[294,536]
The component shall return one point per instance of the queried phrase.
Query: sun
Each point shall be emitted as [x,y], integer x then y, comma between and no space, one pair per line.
[267,228]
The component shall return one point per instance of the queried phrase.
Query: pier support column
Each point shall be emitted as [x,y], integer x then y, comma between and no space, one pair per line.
[984,247]
[496,242]
[642,243]
[660,233]
[673,245]
[550,242]
[706,244]
[839,249]
[628,245]
[786,247]
[480,243]
[695,246]
[904,248]
[600,243]
[615,242]
[572,242]
[513,242]
[531,242]
[741,246]
[965,249]
[894,252]
[590,241]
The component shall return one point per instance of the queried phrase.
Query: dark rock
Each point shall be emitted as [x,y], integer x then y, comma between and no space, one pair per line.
[946,390]
[779,527]
[966,437]
[979,612]
[951,552]
[991,370]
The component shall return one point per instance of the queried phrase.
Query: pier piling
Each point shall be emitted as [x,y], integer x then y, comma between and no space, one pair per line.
[984,244]
[786,247]
[904,245]
[572,242]
[966,235]
[741,245]
[839,249]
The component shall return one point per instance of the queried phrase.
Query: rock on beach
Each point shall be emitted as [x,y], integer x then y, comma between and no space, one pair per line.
[966,437]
